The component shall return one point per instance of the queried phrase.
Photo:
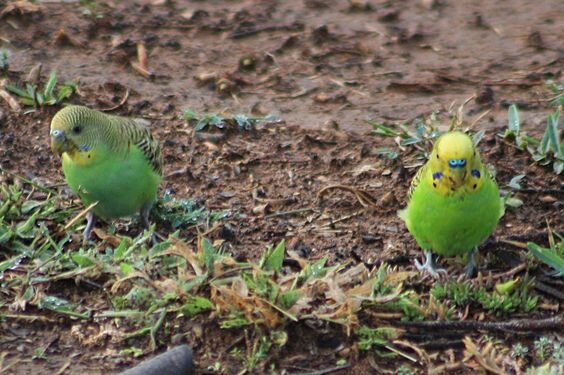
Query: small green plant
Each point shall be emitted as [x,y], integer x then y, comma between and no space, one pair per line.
[553,256]
[184,212]
[259,352]
[50,94]
[341,362]
[542,348]
[239,121]
[545,151]
[548,355]
[519,350]
[377,339]
[4,59]
[417,135]
[405,370]
[557,88]
[39,353]
[216,367]
[89,4]
[462,294]
[132,352]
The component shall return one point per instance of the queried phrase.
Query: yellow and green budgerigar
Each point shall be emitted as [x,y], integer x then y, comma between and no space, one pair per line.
[454,202]
[111,160]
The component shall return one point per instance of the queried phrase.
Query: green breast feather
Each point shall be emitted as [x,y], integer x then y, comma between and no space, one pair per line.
[121,183]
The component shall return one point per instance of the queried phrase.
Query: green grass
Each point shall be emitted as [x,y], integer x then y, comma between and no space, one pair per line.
[150,284]
[51,93]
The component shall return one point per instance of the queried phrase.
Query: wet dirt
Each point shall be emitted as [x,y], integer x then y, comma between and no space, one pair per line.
[323,67]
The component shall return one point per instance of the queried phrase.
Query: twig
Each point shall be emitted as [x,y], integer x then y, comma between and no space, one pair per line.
[139,69]
[288,213]
[436,345]
[155,329]
[234,343]
[362,197]
[325,371]
[121,102]
[479,118]
[13,103]
[302,92]
[4,370]
[252,31]
[176,173]
[403,354]
[549,290]
[80,215]
[343,218]
[64,367]
[167,25]
[511,272]
[555,323]
[541,191]
[27,317]
[447,367]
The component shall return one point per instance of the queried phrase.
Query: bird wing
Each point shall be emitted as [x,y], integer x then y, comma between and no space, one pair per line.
[415,181]
[139,135]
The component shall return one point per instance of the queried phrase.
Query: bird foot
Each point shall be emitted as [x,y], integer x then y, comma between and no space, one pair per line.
[470,268]
[429,267]
[90,222]
[144,214]
[154,239]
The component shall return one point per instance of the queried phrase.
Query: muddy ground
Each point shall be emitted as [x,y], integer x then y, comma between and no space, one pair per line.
[323,68]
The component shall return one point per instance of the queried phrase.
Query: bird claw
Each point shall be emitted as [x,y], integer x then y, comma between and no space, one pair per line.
[429,267]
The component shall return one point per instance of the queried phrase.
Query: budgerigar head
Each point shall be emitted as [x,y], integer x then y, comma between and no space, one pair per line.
[454,159]
[75,128]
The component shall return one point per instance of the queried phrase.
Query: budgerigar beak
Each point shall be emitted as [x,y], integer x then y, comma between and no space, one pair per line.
[458,176]
[457,172]
[59,142]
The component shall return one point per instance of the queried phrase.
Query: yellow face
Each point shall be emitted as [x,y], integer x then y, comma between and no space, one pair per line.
[71,134]
[455,165]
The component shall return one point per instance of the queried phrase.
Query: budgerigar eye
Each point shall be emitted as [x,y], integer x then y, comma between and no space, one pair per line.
[76,129]
[454,163]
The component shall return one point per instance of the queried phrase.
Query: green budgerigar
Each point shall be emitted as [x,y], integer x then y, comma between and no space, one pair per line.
[111,160]
[454,203]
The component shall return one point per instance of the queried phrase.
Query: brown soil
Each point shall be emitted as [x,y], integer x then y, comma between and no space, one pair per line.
[317,65]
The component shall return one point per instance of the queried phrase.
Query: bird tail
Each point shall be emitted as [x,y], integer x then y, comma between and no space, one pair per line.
[403,214]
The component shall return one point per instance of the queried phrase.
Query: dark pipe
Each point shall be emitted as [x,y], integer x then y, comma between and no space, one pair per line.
[177,361]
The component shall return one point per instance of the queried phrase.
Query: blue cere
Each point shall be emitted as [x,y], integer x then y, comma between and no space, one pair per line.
[475,173]
[437,175]
[457,163]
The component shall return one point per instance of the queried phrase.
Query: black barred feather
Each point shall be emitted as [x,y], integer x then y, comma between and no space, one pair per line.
[415,181]
[137,134]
